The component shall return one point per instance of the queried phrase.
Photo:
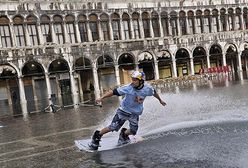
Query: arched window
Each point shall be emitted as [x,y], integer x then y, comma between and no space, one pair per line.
[70,28]
[32,30]
[191,21]
[136,26]
[82,25]
[231,19]
[19,31]
[182,22]
[237,20]
[165,23]
[155,24]
[126,26]
[215,21]
[105,26]
[116,26]
[206,22]
[198,24]
[46,28]
[94,27]
[5,32]
[223,19]
[173,23]
[146,24]
[245,16]
[58,29]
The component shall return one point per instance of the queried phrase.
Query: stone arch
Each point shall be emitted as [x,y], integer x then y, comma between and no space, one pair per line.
[183,62]
[58,66]
[164,59]
[215,55]
[146,64]
[32,68]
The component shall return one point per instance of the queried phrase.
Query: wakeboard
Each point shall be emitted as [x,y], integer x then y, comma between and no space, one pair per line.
[107,143]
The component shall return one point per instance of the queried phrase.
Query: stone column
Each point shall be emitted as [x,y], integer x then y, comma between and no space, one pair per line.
[89,33]
[111,31]
[54,39]
[174,68]
[131,29]
[73,90]
[48,84]
[117,75]
[239,68]
[179,27]
[96,80]
[223,59]
[192,70]
[220,24]
[122,30]
[40,35]
[80,88]
[142,34]
[187,25]
[23,100]
[156,71]
[27,38]
[13,35]
[101,38]
[208,60]
[77,33]
[242,21]
[160,26]
[66,34]
[151,27]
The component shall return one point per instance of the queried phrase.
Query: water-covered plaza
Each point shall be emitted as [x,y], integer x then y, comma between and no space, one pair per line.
[205,124]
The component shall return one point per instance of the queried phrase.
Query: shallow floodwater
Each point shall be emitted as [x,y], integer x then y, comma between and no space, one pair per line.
[204,124]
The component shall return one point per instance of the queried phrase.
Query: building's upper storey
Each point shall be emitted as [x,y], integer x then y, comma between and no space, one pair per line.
[28,5]
[37,23]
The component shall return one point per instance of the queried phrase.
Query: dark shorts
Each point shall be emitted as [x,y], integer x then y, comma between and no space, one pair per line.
[121,117]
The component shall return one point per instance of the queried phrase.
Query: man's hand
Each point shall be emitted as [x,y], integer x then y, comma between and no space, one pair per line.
[98,100]
[162,102]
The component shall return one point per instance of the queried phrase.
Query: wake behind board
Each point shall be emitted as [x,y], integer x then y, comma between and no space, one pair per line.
[107,143]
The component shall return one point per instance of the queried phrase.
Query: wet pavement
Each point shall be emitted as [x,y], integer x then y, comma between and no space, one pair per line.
[205,124]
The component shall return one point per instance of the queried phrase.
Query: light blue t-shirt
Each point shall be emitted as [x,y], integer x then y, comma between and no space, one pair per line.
[133,98]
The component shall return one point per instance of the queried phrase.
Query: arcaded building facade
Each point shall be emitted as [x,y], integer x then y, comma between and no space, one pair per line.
[73,51]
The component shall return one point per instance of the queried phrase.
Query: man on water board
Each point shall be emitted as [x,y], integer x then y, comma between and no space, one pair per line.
[130,108]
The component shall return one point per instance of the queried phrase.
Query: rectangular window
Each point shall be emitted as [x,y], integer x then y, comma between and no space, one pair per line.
[83,31]
[105,30]
[174,27]
[136,29]
[206,25]
[126,29]
[183,26]
[230,20]
[5,36]
[214,23]
[46,32]
[94,31]
[19,32]
[238,23]
[165,26]
[33,35]
[191,26]
[116,28]
[198,25]
[71,32]
[146,25]
[59,33]
[155,26]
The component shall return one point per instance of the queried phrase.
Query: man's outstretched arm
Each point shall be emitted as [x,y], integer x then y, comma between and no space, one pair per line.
[158,97]
[107,94]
